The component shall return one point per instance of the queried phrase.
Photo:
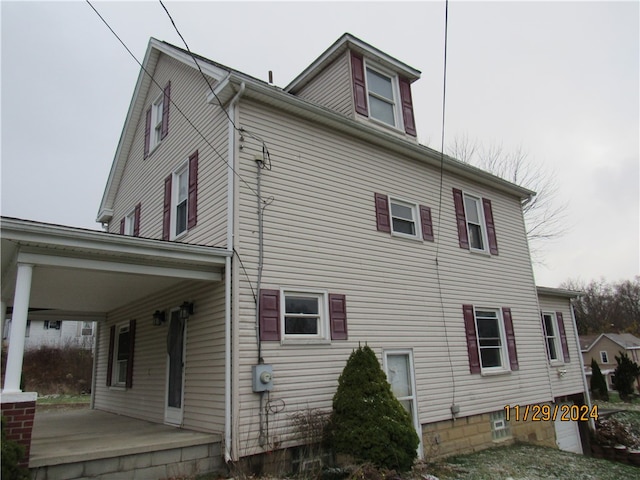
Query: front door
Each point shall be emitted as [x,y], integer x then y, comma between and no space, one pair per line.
[176,339]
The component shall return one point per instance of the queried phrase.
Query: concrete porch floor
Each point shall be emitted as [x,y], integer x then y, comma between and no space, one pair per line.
[63,437]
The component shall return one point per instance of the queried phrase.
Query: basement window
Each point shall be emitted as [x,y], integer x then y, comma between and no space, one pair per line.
[499,426]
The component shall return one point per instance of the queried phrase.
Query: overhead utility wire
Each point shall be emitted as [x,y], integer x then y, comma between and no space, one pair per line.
[444,98]
[173,102]
[265,150]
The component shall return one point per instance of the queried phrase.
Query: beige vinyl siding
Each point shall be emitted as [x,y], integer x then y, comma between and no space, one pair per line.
[332,87]
[143,179]
[320,233]
[571,382]
[612,348]
[204,365]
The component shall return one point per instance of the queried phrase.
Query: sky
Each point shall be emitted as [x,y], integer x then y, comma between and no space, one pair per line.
[557,80]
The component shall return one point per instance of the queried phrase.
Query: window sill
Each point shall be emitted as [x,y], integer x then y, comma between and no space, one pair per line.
[304,341]
[118,388]
[492,373]
[406,236]
[179,236]
[483,253]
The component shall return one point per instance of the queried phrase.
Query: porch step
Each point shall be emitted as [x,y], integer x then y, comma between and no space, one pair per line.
[180,462]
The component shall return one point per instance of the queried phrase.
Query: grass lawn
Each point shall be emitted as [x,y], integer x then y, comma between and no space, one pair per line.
[527,462]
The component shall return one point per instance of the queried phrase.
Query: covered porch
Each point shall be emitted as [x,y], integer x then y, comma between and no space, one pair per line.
[86,443]
[70,273]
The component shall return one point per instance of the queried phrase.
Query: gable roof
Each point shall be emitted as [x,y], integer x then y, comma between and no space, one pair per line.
[350,42]
[627,341]
[230,81]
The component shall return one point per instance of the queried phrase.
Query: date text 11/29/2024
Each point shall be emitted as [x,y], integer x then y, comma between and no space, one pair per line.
[545,413]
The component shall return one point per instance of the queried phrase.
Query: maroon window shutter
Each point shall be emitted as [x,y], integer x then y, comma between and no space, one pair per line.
[136,220]
[407,107]
[427,224]
[270,315]
[359,87]
[472,339]
[458,202]
[193,191]
[165,111]
[491,229]
[166,213]
[563,337]
[147,134]
[122,222]
[132,342]
[338,316]
[511,338]
[112,340]
[383,221]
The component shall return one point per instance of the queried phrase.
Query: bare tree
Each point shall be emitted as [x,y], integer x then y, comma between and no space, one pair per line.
[544,216]
[607,307]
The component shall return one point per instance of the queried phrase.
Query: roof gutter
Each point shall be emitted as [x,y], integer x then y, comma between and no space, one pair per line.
[275,97]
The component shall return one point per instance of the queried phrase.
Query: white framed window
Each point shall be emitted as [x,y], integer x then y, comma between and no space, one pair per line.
[551,336]
[398,366]
[404,218]
[121,355]
[476,227]
[156,121]
[129,223]
[499,426]
[604,357]
[180,201]
[87,328]
[491,340]
[383,95]
[304,316]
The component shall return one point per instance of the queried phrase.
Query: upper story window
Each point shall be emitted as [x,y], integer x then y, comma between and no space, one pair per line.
[475,223]
[157,121]
[382,98]
[180,196]
[130,224]
[491,341]
[403,218]
[180,212]
[604,357]
[476,228]
[551,336]
[382,95]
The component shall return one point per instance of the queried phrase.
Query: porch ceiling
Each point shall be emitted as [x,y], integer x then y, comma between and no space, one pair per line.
[78,270]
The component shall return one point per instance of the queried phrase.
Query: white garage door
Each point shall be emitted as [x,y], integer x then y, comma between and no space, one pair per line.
[567,434]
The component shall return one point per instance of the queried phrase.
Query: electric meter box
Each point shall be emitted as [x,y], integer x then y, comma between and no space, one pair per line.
[262,378]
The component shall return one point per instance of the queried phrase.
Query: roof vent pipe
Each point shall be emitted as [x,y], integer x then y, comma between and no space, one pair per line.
[270,77]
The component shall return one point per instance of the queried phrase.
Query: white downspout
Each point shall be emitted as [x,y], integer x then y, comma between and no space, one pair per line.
[227,274]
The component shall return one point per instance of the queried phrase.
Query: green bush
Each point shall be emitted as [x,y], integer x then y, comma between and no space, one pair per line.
[625,375]
[12,454]
[598,382]
[368,422]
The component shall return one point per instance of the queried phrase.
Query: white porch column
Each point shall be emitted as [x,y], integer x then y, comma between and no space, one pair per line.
[18,329]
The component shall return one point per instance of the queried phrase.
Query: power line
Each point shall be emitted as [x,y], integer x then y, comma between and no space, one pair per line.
[173,102]
[444,98]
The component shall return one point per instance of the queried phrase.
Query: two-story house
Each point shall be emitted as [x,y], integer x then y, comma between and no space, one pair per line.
[270,231]
[604,349]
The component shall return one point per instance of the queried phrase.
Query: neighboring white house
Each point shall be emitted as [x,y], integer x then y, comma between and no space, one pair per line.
[55,333]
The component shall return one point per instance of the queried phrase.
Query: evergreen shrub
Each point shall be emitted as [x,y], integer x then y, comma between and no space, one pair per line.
[598,383]
[368,422]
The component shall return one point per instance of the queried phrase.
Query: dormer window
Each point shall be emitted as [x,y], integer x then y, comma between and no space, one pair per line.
[380,89]
[381,94]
